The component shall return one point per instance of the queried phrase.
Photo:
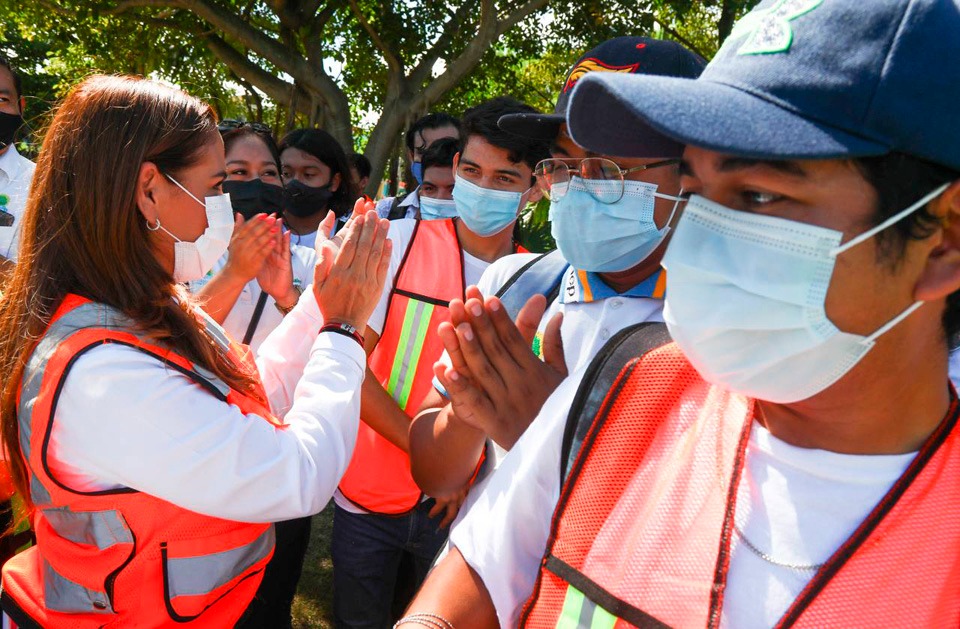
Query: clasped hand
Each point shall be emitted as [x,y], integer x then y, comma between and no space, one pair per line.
[495,382]
[352,267]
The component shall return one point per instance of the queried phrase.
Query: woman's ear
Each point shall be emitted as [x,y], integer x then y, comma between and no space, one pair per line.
[941,275]
[335,182]
[147,192]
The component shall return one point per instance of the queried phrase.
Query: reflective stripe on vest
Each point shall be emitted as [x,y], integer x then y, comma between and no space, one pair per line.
[580,611]
[644,523]
[101,552]
[378,477]
[413,335]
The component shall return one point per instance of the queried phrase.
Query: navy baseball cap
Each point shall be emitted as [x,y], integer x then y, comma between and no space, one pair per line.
[798,79]
[621,55]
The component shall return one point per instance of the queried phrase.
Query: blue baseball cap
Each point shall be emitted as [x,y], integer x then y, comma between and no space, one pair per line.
[798,79]
[620,55]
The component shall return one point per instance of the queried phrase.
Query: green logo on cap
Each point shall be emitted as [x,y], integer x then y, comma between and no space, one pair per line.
[768,30]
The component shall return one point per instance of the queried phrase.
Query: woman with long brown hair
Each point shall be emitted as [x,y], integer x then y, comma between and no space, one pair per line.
[142,438]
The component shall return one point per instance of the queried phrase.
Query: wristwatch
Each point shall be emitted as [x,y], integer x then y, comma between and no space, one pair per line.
[286,311]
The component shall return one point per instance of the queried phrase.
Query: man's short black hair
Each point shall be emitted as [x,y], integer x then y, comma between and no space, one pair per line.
[482,121]
[17,81]
[901,180]
[440,153]
[361,163]
[436,120]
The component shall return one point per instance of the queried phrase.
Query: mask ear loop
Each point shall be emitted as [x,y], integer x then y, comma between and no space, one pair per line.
[673,212]
[900,317]
[179,185]
[896,218]
[853,242]
[527,208]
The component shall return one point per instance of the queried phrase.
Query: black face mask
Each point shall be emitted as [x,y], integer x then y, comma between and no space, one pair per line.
[253,197]
[304,200]
[9,125]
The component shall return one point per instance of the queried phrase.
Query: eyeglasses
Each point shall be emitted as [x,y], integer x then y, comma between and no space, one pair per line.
[229,124]
[602,178]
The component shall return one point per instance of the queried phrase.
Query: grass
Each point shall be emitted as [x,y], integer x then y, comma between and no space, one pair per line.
[313,605]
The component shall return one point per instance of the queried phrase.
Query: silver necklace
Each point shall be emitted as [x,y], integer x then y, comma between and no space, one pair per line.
[813,567]
[736,527]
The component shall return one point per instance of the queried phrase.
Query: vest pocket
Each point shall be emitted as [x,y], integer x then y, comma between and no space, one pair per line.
[198,573]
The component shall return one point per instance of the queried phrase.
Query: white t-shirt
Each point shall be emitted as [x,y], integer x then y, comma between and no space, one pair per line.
[401,233]
[302,259]
[16,173]
[824,495]
[125,420]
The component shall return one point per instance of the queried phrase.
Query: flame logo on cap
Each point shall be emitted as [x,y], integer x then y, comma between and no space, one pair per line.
[594,65]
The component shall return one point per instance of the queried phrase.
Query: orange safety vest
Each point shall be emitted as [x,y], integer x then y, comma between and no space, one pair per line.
[642,530]
[430,275]
[120,557]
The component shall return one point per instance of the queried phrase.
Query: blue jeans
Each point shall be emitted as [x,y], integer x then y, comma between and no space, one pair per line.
[369,552]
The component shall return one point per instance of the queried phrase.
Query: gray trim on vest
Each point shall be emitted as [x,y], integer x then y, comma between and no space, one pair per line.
[102,529]
[541,276]
[38,493]
[194,576]
[88,315]
[60,594]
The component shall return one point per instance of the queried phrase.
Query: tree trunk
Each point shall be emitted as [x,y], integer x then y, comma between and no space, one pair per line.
[383,140]
[728,14]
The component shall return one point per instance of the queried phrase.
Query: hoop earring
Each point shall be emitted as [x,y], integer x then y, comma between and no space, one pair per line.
[153,229]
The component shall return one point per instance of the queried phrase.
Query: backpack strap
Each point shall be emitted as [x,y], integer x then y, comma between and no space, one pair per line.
[540,276]
[629,343]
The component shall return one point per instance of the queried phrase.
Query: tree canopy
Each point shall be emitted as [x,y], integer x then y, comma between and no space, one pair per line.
[361,69]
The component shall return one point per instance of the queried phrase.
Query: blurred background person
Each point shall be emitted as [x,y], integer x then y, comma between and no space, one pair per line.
[360,169]
[316,174]
[421,134]
[251,288]
[16,171]
[436,191]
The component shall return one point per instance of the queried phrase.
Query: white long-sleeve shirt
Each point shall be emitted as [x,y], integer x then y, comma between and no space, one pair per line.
[125,420]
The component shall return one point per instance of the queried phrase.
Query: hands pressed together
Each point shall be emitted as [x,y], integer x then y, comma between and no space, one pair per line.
[260,249]
[495,382]
[352,266]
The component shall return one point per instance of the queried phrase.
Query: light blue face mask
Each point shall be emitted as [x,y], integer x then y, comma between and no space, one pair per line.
[606,238]
[485,212]
[416,169]
[432,209]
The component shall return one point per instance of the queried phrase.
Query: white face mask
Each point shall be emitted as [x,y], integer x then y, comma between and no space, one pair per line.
[192,260]
[746,300]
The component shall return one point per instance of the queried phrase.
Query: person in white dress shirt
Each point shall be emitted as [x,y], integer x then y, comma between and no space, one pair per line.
[16,171]
[126,423]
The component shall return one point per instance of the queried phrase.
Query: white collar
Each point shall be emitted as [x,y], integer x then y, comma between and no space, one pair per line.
[11,162]
[411,199]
